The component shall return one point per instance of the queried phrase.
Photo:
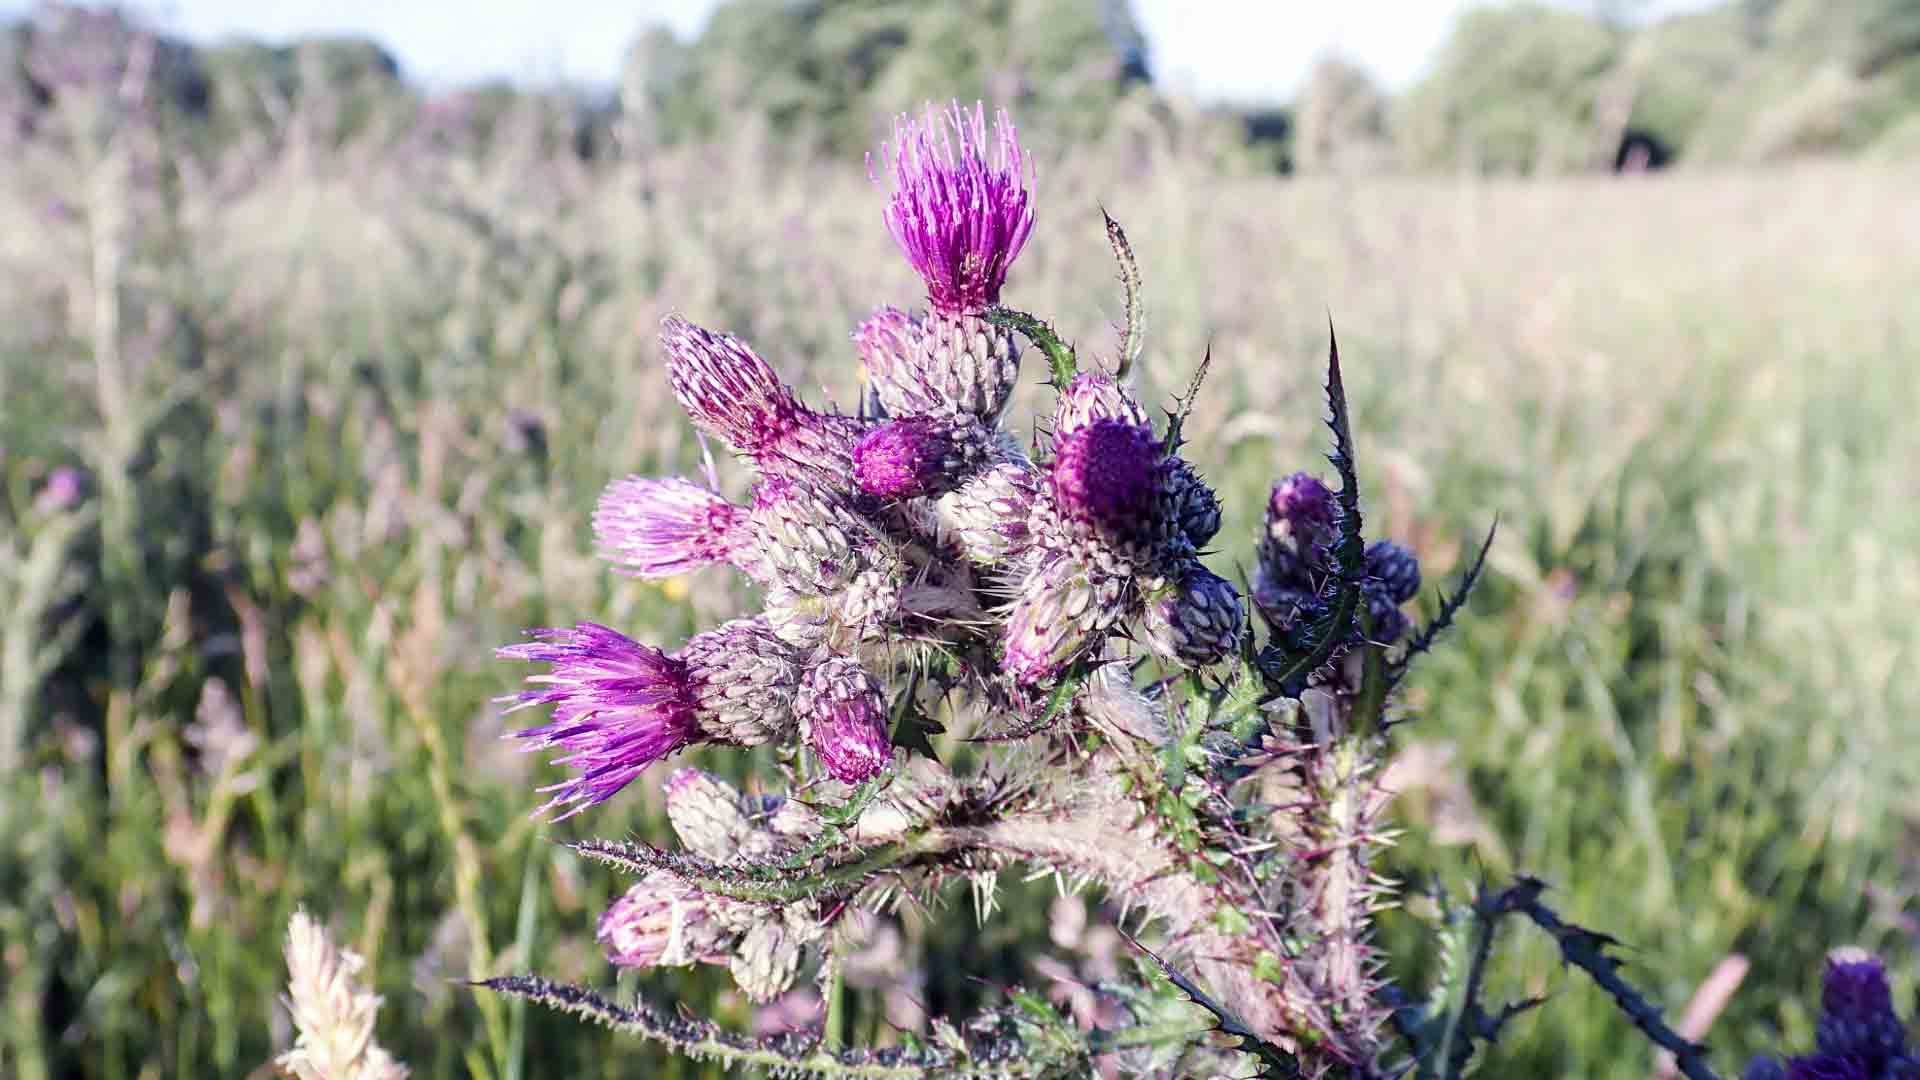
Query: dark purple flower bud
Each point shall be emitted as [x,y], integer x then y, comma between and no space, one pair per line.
[661,922]
[1094,396]
[1198,621]
[1295,546]
[655,528]
[1856,1008]
[959,215]
[619,706]
[1062,612]
[988,515]
[920,455]
[1103,476]
[846,719]
[1386,623]
[1764,1068]
[1396,568]
[1187,504]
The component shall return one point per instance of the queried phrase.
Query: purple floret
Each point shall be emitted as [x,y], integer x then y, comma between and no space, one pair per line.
[960,212]
[659,527]
[1103,474]
[618,706]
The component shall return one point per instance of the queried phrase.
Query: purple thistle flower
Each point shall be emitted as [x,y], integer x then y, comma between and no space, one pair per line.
[846,719]
[1103,475]
[730,392]
[661,922]
[1187,503]
[959,215]
[889,343]
[1856,1007]
[1829,1067]
[655,528]
[920,455]
[619,706]
[1094,396]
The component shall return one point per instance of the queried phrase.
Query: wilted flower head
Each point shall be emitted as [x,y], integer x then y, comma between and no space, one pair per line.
[661,922]
[846,719]
[1103,475]
[958,210]
[919,455]
[1062,612]
[661,527]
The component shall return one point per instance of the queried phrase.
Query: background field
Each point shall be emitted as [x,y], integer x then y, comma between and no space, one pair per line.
[341,419]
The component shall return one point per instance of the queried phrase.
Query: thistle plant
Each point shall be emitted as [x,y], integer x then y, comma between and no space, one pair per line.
[1050,601]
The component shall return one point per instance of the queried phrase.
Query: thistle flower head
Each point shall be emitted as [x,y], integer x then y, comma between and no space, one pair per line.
[618,706]
[1198,621]
[888,342]
[987,517]
[1186,504]
[707,814]
[654,528]
[1094,396]
[1103,475]
[726,388]
[1856,1008]
[919,455]
[1062,612]
[960,207]
[807,536]
[661,922]
[743,677]
[1301,507]
[846,719]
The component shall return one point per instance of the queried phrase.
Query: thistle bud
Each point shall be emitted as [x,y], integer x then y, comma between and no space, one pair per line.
[1386,623]
[1198,621]
[919,455]
[846,719]
[1856,1008]
[1103,477]
[959,214]
[806,536]
[1062,612]
[654,528]
[889,344]
[743,678]
[1186,501]
[1396,568]
[766,959]
[730,392]
[1296,544]
[707,814]
[1094,396]
[988,515]
[661,922]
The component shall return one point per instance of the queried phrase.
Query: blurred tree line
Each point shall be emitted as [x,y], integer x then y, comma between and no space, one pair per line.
[1517,88]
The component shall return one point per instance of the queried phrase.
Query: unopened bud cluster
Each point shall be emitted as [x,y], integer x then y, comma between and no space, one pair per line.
[1859,1037]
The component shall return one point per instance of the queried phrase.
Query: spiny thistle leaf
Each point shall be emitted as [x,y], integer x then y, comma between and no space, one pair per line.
[1131,341]
[1450,604]
[1275,1063]
[1177,419]
[995,1044]
[1061,363]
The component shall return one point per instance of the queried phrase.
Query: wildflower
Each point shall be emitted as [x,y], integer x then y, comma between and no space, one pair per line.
[656,528]
[920,455]
[1102,476]
[845,719]
[333,1013]
[1093,396]
[1856,1008]
[730,392]
[808,537]
[620,706]
[1062,611]
[1188,503]
[889,342]
[662,922]
[959,215]
[987,517]
[1198,621]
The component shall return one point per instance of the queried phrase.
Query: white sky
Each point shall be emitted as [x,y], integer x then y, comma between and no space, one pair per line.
[1238,50]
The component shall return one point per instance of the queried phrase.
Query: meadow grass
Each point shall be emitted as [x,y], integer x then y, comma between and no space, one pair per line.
[345,416]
